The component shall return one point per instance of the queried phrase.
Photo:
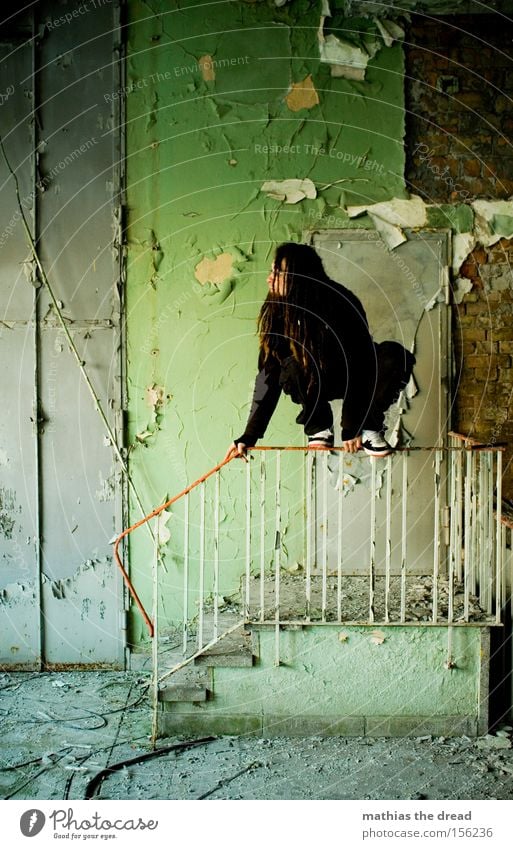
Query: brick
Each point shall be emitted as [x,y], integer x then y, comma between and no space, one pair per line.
[476,308]
[474,334]
[471,167]
[504,334]
[506,347]
[479,255]
[478,361]
[488,348]
[486,375]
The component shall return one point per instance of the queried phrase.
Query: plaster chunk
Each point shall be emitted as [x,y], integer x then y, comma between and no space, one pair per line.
[392,236]
[462,287]
[214,270]
[389,31]
[399,212]
[163,533]
[303,95]
[462,245]
[494,220]
[290,191]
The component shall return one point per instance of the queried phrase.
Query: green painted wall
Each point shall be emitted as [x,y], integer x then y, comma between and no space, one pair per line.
[198,151]
[397,683]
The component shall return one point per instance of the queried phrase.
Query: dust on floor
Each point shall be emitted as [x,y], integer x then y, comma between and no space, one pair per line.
[60,730]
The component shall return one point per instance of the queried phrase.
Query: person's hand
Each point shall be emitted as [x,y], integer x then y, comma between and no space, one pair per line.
[352,445]
[236,450]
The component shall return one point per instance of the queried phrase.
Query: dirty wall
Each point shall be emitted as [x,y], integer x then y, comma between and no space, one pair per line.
[224,104]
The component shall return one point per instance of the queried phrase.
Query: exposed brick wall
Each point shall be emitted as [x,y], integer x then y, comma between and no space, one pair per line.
[459,148]
[483,347]
[459,93]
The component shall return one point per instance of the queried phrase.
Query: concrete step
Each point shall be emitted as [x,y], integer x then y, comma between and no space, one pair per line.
[183,693]
[234,650]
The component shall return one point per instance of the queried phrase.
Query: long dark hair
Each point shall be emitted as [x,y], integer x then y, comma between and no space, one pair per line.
[288,321]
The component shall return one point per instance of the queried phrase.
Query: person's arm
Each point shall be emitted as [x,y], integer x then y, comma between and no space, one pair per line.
[266,395]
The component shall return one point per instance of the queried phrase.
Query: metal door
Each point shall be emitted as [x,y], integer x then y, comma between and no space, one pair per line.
[405,295]
[62,599]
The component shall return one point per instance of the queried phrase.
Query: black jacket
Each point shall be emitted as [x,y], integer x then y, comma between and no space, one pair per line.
[349,373]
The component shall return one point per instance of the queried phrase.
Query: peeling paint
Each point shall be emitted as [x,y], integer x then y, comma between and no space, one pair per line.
[290,191]
[7,507]
[107,489]
[206,67]
[303,95]
[214,271]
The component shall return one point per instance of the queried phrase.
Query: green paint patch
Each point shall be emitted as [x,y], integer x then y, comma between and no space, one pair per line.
[458,218]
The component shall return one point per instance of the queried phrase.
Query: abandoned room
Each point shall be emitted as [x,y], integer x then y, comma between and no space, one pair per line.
[303,622]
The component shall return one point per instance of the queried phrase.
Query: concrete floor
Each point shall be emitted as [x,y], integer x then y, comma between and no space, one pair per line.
[60,730]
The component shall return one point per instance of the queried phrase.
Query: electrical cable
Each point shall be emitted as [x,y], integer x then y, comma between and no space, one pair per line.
[95,784]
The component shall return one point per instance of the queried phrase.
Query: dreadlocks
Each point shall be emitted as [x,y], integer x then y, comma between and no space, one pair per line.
[292,321]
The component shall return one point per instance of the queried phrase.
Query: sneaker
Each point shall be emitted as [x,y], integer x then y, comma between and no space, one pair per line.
[323,439]
[374,445]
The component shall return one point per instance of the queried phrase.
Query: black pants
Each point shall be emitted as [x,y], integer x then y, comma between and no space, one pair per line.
[393,368]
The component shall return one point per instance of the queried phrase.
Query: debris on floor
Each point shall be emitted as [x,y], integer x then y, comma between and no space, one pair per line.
[61,732]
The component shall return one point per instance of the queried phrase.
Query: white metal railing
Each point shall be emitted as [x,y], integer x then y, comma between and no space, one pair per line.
[425,532]
[460,572]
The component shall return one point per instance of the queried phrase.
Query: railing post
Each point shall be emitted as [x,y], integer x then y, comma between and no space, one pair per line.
[248,542]
[388,536]
[216,555]
[436,538]
[185,624]
[201,565]
[404,531]
[498,546]
[340,533]
[277,552]
[310,513]
[262,536]
[324,534]
[372,536]
[467,506]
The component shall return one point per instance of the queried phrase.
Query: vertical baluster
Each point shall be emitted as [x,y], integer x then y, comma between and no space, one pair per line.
[467,533]
[201,565]
[453,535]
[498,548]
[340,532]
[483,541]
[459,516]
[436,537]
[216,555]
[248,542]
[372,540]
[324,534]
[155,638]
[262,536]
[310,518]
[491,560]
[277,551]
[404,530]
[452,532]
[473,526]
[185,573]
[388,537]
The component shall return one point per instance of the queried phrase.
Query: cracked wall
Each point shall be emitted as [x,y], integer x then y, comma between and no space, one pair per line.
[223,108]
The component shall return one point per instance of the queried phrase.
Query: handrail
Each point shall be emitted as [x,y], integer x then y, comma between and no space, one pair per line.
[474,446]
[143,521]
